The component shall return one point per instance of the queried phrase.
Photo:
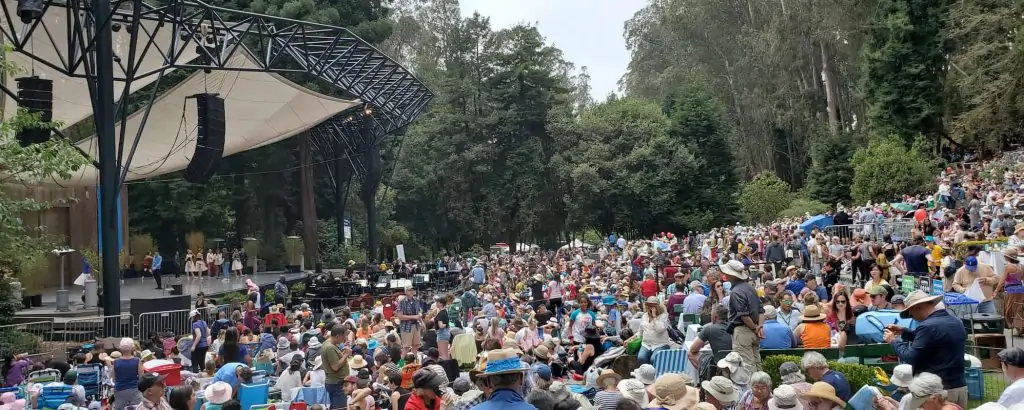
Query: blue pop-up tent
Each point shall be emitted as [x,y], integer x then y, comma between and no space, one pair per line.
[821,221]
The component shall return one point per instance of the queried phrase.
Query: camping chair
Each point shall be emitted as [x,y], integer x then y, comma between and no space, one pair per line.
[51,397]
[44,376]
[669,361]
[254,394]
[89,377]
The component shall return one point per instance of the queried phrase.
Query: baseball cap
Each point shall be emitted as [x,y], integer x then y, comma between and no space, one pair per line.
[149,380]
[542,370]
[877,290]
[351,379]
[971,263]
[898,299]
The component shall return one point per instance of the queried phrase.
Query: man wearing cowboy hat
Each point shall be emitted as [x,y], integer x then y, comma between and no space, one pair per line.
[503,374]
[745,311]
[935,346]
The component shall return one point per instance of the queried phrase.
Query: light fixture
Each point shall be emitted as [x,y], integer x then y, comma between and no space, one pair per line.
[368,110]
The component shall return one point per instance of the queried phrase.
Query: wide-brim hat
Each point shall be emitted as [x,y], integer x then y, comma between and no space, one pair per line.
[671,392]
[633,389]
[313,343]
[317,362]
[356,362]
[608,375]
[735,269]
[902,375]
[915,298]
[217,393]
[825,391]
[541,352]
[502,361]
[812,314]
[785,397]
[646,374]
[538,277]
[1012,254]
[721,388]
[731,361]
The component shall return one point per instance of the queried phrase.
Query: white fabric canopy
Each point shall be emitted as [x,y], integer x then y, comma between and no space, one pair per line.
[260,109]
[49,41]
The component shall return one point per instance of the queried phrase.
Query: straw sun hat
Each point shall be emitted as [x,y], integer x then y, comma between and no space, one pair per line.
[915,298]
[812,314]
[672,393]
[825,391]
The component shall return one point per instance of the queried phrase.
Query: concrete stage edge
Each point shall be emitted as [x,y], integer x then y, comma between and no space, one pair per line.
[136,288]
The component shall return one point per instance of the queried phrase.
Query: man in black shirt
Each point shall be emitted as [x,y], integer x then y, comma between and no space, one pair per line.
[744,316]
[537,290]
[543,315]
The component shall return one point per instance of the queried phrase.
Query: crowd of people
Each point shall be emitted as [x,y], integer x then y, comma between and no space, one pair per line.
[583,327]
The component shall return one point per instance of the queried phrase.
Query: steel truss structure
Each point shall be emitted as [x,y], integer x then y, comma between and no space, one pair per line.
[330,54]
[322,53]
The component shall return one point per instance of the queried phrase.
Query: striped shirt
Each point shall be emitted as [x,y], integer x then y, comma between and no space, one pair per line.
[607,400]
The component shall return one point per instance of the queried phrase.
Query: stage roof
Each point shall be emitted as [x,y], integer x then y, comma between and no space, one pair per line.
[260,108]
[49,41]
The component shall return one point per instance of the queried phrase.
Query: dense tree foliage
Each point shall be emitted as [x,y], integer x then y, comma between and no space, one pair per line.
[513,148]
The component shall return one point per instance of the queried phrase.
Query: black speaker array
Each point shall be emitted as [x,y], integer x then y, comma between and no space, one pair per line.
[36,95]
[210,139]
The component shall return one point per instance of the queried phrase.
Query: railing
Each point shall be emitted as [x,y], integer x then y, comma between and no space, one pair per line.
[175,322]
[899,229]
[847,232]
[35,338]
[87,329]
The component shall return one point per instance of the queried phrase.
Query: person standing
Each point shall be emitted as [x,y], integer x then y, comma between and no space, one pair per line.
[935,346]
[156,266]
[410,313]
[745,323]
[335,365]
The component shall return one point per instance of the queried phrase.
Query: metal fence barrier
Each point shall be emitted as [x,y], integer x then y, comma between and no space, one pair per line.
[87,329]
[175,322]
[899,229]
[847,232]
[35,338]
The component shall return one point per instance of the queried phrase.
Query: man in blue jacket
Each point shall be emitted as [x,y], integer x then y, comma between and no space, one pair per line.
[935,346]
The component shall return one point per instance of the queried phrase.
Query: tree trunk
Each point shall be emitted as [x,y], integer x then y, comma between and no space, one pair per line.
[831,91]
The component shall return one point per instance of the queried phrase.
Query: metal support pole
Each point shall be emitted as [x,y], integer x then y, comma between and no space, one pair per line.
[103,109]
[369,191]
[342,178]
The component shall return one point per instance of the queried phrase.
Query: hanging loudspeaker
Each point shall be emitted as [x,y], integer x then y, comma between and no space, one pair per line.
[30,10]
[36,95]
[210,140]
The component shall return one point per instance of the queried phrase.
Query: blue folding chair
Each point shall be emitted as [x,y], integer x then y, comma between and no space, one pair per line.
[254,395]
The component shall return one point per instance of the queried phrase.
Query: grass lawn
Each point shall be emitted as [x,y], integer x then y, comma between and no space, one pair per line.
[994,386]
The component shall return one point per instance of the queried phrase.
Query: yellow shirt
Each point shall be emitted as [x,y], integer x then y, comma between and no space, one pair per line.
[936,256]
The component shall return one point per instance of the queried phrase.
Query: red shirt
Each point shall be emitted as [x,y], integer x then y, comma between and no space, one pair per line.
[648,288]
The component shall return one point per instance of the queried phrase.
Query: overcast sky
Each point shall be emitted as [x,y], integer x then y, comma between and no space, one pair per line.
[589,32]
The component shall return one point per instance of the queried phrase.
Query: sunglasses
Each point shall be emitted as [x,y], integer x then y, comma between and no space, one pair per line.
[840,301]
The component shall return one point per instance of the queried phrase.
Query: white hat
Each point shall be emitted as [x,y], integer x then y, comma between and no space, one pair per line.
[313,343]
[217,393]
[646,374]
[634,390]
[722,389]
[732,361]
[317,362]
[735,269]
[785,397]
[902,375]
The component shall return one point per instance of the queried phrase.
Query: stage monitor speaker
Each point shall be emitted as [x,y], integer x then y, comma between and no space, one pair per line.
[210,139]
[36,95]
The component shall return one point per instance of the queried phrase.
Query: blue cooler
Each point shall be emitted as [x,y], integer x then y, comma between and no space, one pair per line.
[975,383]
[871,325]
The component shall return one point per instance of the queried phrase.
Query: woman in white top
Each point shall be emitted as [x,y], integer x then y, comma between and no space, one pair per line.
[291,378]
[316,376]
[653,330]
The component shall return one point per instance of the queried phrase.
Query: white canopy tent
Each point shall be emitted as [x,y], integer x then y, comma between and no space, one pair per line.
[260,108]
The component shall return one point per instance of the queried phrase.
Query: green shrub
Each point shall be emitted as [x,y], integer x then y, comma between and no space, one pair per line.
[16,342]
[801,206]
[857,374]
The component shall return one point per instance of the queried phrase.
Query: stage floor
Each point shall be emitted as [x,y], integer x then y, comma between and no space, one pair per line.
[145,288]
